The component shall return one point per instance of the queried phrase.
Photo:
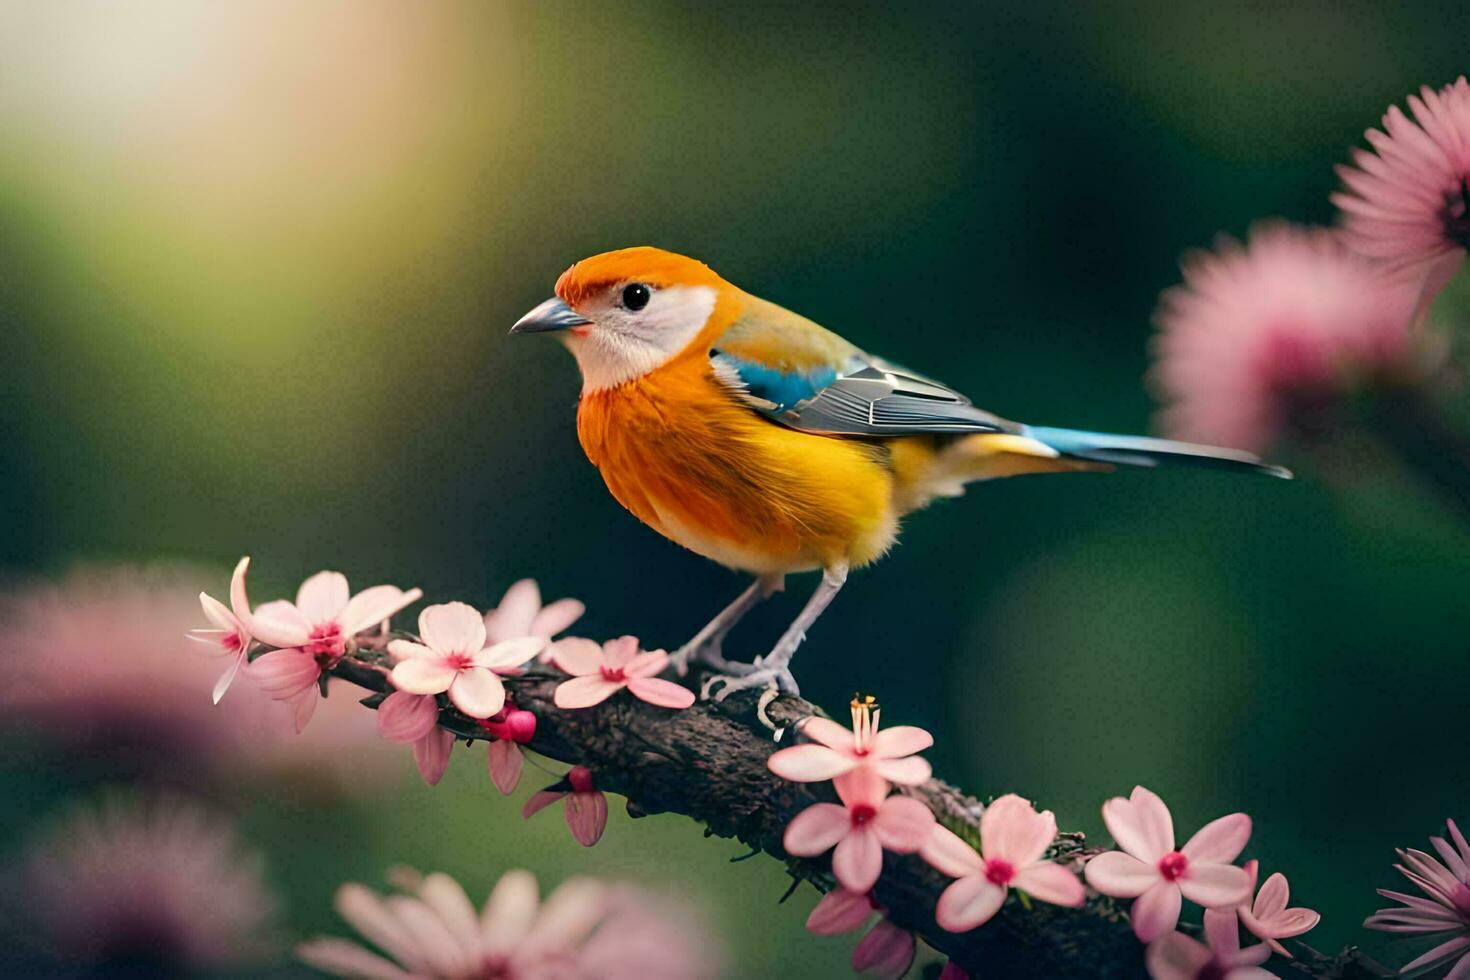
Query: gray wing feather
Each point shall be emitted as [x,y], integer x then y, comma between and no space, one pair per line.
[875,398]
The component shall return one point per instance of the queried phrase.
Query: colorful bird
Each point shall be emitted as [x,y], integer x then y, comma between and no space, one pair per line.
[771,445]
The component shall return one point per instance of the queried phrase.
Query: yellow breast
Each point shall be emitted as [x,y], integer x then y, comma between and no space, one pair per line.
[688,460]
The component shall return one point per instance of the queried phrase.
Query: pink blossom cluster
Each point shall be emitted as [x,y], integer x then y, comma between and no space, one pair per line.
[585,928]
[1441,910]
[460,659]
[1264,336]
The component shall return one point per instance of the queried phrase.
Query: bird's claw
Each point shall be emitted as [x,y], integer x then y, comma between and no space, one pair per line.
[720,686]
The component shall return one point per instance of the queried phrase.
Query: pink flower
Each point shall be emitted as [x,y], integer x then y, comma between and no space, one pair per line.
[585,928]
[890,753]
[1407,204]
[1268,917]
[1263,334]
[586,807]
[138,704]
[313,634]
[453,658]
[1150,869]
[230,633]
[157,884]
[868,822]
[886,951]
[511,729]
[1013,838]
[952,971]
[1178,957]
[520,614]
[1445,910]
[599,673]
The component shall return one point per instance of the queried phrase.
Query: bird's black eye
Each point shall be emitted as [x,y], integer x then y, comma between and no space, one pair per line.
[635,296]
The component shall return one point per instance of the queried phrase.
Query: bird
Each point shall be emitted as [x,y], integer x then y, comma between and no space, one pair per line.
[751,435]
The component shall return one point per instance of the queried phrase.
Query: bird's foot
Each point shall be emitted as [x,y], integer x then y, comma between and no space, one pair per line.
[707,655]
[776,677]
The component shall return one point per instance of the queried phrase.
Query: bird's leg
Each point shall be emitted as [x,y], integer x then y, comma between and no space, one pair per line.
[774,669]
[706,646]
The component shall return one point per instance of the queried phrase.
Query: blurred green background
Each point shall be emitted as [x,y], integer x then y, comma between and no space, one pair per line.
[257,264]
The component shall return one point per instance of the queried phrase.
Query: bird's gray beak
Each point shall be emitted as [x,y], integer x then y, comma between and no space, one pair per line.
[550,315]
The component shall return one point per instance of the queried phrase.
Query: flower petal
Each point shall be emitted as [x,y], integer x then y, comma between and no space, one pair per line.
[1120,875]
[969,902]
[1051,883]
[432,755]
[239,601]
[857,860]
[448,900]
[809,763]
[540,801]
[1176,957]
[584,692]
[839,911]
[1222,933]
[228,677]
[1441,952]
[509,653]
[1140,824]
[886,951]
[405,717]
[901,740]
[509,911]
[1219,841]
[665,694]
[948,853]
[903,824]
[1156,911]
[505,763]
[517,609]
[283,674]
[1011,829]
[1274,894]
[365,912]
[816,830]
[279,624]
[557,616]
[218,613]
[409,650]
[452,627]
[861,786]
[587,816]
[478,693]
[647,664]
[421,675]
[903,772]
[827,732]
[1215,885]
[322,597]
[340,958]
[576,656]
[303,706]
[375,605]
[620,652]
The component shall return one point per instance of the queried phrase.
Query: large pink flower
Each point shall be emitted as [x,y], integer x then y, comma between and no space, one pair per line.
[586,807]
[585,928]
[1259,334]
[866,824]
[1013,838]
[1150,869]
[520,614]
[1268,917]
[1407,203]
[1178,957]
[836,750]
[453,658]
[313,632]
[230,633]
[160,884]
[1445,909]
[600,672]
[886,951]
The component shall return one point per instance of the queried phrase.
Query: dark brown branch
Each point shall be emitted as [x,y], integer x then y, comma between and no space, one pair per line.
[709,763]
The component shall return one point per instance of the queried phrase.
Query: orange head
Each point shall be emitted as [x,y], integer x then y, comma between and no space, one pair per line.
[625,313]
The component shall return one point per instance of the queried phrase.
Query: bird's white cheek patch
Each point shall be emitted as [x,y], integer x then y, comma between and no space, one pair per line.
[624,345]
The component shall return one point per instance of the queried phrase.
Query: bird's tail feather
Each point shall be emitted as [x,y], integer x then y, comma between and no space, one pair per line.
[1103,447]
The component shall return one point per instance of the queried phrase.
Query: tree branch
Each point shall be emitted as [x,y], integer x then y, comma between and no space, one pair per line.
[709,763]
